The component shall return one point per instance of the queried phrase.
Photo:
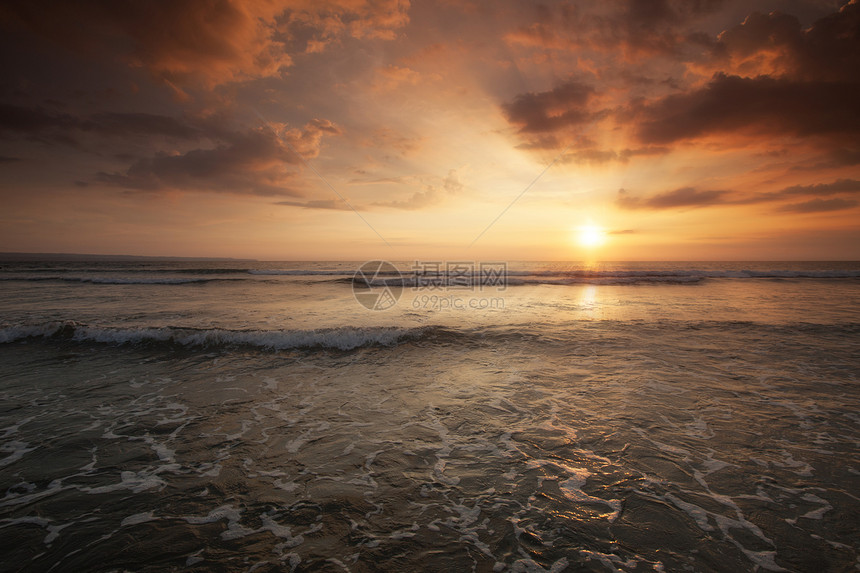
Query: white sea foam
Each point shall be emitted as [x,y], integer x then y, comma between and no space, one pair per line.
[16,450]
[138,518]
[531,566]
[134,481]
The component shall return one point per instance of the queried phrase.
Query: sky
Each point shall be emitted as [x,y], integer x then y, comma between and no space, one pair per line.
[445,130]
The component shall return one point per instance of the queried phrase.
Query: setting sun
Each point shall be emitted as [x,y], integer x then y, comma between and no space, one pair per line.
[590,236]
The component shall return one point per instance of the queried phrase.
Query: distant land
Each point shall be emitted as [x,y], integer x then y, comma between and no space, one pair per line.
[63,257]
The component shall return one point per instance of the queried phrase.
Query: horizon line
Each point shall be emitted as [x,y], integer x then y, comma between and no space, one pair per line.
[19,256]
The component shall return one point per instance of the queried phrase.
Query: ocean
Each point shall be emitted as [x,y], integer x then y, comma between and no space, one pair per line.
[429,416]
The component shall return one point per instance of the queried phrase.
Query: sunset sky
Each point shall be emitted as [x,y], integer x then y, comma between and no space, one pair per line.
[682,130]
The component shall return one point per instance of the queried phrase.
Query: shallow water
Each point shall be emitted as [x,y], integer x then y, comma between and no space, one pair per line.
[710,426]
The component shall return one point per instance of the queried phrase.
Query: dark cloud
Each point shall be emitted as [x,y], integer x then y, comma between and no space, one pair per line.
[625,27]
[834,158]
[772,78]
[214,42]
[820,205]
[562,106]
[760,105]
[689,197]
[29,120]
[220,41]
[253,162]
[63,127]
[657,26]
[7,159]
[828,51]
[838,186]
[813,192]
[624,232]
[685,197]
[122,124]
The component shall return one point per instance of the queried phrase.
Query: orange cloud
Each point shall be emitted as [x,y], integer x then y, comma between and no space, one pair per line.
[202,40]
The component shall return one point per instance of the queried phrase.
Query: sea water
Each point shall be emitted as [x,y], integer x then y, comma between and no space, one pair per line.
[242,416]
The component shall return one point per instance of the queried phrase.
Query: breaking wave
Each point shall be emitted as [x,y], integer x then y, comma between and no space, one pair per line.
[413,277]
[341,338]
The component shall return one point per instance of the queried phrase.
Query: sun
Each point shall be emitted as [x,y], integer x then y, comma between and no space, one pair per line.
[590,236]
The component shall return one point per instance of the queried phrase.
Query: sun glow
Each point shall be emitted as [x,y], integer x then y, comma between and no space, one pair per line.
[590,236]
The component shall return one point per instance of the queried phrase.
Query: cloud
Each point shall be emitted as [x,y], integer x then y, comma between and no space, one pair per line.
[838,186]
[829,50]
[36,123]
[593,155]
[307,140]
[213,41]
[313,25]
[771,77]
[253,162]
[629,28]
[121,124]
[768,77]
[834,158]
[585,150]
[759,106]
[814,192]
[451,182]
[8,159]
[820,205]
[327,204]
[689,197]
[565,105]
[201,41]
[386,138]
[656,26]
[60,127]
[433,190]
[418,200]
[685,197]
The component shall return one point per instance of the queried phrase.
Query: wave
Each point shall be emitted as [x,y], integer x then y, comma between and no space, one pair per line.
[341,338]
[127,270]
[691,273]
[531,280]
[442,278]
[119,280]
[352,337]
[299,272]
[596,277]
